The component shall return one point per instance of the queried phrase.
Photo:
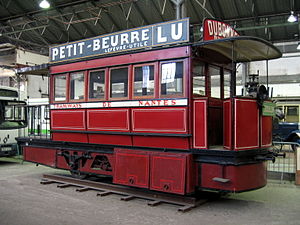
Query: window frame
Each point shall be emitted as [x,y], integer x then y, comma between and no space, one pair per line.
[184,64]
[129,67]
[194,61]
[155,64]
[54,76]
[220,68]
[105,84]
[84,85]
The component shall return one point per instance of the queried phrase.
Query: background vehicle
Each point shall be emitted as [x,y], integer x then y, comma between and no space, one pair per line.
[13,120]
[288,128]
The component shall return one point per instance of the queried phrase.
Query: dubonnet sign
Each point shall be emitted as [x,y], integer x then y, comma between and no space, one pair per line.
[148,36]
[214,29]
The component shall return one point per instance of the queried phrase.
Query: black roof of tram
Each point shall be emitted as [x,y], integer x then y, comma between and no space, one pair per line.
[242,48]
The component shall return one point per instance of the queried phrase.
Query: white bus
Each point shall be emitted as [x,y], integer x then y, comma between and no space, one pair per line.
[13,120]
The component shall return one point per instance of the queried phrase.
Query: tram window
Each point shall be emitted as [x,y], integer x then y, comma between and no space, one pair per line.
[96,85]
[119,83]
[215,80]
[227,76]
[144,80]
[198,79]
[172,78]
[60,88]
[77,86]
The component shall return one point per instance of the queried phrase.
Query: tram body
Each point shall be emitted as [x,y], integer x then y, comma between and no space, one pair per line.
[165,119]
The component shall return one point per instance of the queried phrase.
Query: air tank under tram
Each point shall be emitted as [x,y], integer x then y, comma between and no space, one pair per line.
[153,108]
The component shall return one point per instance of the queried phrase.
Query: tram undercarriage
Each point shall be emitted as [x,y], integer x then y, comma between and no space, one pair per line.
[179,172]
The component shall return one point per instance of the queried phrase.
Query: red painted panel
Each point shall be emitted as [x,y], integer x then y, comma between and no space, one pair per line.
[242,178]
[108,119]
[227,124]
[161,142]
[68,119]
[160,120]
[124,59]
[246,124]
[131,168]
[45,156]
[168,172]
[200,124]
[61,162]
[107,139]
[191,174]
[71,137]
[266,131]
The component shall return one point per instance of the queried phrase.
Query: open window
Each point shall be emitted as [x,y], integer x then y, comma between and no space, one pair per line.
[215,81]
[77,87]
[97,85]
[143,85]
[227,82]
[60,88]
[171,78]
[119,83]
[199,79]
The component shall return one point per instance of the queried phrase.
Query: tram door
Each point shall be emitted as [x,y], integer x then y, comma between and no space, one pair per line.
[211,85]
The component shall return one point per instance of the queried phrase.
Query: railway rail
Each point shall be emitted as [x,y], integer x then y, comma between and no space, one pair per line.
[185,203]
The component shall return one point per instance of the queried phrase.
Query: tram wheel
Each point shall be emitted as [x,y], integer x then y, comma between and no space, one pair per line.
[76,174]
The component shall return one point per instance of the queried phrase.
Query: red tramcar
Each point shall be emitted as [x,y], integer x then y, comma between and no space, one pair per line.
[155,110]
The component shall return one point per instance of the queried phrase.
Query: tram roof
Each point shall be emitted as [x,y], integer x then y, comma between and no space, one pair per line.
[242,48]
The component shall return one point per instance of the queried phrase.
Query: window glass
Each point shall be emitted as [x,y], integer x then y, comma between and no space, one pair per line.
[172,78]
[215,81]
[77,86]
[292,114]
[14,115]
[198,79]
[227,76]
[60,88]
[96,85]
[144,80]
[119,83]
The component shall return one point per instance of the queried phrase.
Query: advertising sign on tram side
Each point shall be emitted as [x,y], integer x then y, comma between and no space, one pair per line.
[167,33]
[214,29]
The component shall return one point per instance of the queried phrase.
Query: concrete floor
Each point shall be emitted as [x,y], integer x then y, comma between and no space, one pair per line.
[24,201]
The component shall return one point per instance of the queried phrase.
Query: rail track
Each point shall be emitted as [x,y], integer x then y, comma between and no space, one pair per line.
[153,198]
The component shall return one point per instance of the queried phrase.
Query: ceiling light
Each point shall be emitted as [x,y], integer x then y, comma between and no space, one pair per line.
[292,18]
[298,47]
[44,4]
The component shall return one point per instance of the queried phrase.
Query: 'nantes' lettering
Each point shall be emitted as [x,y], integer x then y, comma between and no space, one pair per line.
[158,103]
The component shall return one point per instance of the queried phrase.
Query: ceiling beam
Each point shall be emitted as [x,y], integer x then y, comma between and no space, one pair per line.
[138,9]
[157,10]
[267,26]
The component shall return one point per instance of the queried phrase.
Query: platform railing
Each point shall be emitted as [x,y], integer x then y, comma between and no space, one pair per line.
[38,121]
[284,168]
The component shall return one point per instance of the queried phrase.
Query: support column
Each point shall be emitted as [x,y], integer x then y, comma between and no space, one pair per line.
[297,175]
[180,8]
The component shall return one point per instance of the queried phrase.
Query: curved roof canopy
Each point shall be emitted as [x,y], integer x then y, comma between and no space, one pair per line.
[242,48]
